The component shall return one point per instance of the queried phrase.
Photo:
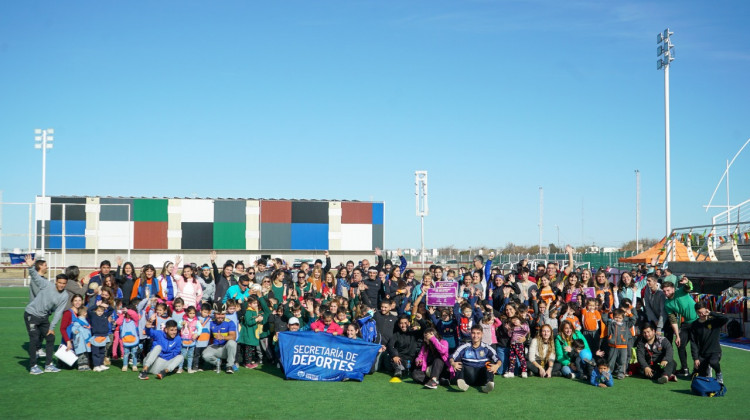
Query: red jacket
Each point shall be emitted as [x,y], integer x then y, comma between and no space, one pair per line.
[332,328]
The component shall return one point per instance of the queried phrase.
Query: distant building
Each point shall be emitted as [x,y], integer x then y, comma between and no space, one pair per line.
[141,223]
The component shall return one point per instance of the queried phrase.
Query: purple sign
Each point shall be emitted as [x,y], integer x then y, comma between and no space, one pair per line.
[589,292]
[442,294]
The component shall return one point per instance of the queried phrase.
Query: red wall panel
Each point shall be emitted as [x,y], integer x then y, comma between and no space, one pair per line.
[359,213]
[150,235]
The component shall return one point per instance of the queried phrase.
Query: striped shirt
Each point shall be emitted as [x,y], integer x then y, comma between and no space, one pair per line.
[477,357]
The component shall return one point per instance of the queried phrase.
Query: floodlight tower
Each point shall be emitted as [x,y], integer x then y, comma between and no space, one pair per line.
[43,139]
[541,217]
[665,52]
[637,209]
[420,183]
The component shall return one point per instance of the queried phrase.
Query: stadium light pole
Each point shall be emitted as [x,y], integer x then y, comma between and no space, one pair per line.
[43,140]
[637,210]
[541,218]
[420,183]
[665,52]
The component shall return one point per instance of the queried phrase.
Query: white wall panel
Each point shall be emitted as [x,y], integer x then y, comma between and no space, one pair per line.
[197,211]
[115,235]
[356,237]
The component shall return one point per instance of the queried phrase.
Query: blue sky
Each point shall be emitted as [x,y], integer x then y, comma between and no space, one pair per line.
[346,99]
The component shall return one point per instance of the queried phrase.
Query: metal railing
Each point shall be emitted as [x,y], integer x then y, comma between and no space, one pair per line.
[734,214]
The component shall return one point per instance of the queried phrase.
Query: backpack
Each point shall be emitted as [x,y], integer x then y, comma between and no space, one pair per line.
[129,333]
[734,330]
[707,387]
[368,331]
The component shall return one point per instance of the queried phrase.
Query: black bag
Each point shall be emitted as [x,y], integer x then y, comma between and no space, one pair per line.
[734,329]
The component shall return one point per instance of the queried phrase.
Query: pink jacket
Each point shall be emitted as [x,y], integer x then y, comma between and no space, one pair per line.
[192,299]
[442,348]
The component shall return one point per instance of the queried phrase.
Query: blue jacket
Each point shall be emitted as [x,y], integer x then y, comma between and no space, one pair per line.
[81,333]
[597,378]
[170,348]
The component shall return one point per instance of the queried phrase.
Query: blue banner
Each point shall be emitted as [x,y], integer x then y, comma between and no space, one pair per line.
[310,356]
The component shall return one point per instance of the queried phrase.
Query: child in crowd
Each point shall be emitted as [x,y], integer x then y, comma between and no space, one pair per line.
[342,317]
[366,322]
[232,307]
[249,334]
[619,334]
[592,324]
[601,377]
[489,326]
[466,317]
[326,324]
[99,320]
[178,310]
[569,314]
[552,321]
[127,325]
[162,315]
[189,333]
[445,326]
[81,330]
[519,332]
[204,336]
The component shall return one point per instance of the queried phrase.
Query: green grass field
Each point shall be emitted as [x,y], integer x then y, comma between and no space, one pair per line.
[264,394]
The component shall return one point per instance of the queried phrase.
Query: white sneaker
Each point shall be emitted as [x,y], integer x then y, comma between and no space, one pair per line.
[462,385]
[524,375]
[508,375]
[97,369]
[104,367]
[488,387]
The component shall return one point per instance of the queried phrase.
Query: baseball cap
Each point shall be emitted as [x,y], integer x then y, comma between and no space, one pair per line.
[293,320]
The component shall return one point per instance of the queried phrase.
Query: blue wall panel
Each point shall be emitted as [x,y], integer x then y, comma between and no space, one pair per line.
[72,227]
[310,236]
[377,213]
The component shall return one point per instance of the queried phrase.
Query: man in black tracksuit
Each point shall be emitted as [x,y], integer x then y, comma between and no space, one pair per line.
[403,348]
[371,295]
[385,323]
[704,341]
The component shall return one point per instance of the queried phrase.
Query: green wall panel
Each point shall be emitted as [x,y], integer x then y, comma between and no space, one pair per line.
[229,235]
[150,210]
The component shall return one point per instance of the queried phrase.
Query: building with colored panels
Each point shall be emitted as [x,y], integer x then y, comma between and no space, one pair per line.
[122,223]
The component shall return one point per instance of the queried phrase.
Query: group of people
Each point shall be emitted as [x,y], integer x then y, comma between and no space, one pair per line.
[550,322]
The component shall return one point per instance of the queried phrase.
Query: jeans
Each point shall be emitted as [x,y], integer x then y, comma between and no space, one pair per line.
[187,354]
[581,368]
[128,352]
